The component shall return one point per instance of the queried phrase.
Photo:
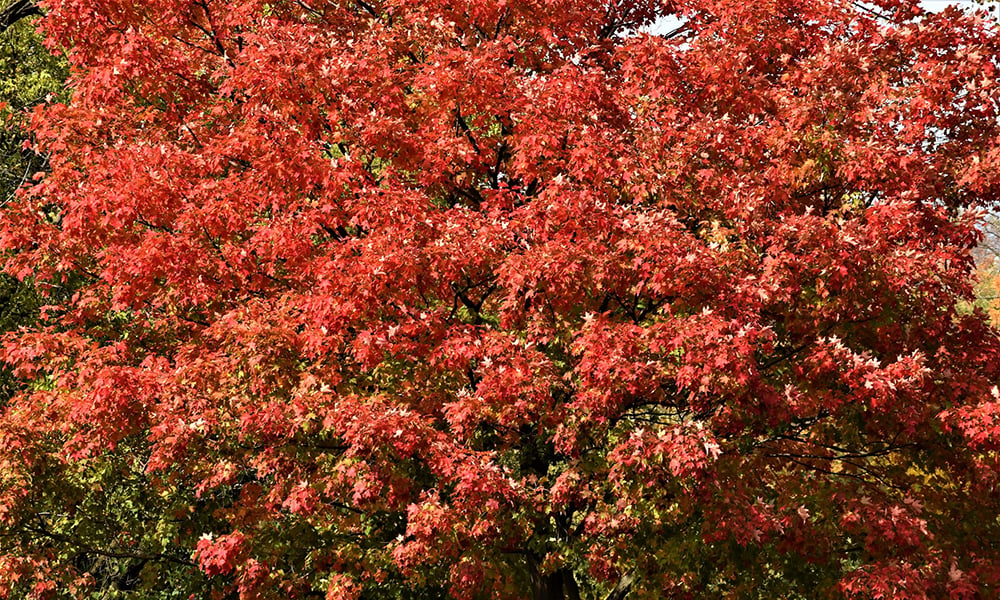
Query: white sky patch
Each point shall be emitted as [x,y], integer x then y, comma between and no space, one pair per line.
[936,5]
[668,24]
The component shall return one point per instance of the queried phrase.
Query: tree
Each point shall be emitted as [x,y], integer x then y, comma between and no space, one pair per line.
[29,76]
[28,73]
[507,299]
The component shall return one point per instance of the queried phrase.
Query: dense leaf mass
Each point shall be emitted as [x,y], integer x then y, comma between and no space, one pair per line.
[507,299]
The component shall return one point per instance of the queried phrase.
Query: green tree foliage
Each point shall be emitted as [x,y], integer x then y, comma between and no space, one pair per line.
[29,74]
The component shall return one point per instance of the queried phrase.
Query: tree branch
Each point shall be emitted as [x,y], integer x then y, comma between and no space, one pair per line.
[20,9]
[623,588]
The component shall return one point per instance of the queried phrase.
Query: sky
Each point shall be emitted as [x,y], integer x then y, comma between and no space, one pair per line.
[940,4]
[668,24]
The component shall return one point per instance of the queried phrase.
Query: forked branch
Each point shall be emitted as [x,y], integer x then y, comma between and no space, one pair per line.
[20,9]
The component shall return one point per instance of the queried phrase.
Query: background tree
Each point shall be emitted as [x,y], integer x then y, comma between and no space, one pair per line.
[506,299]
[28,73]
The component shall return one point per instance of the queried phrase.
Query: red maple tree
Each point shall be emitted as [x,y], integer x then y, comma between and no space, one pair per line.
[509,298]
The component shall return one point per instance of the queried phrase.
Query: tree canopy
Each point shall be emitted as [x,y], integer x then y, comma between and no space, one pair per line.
[506,299]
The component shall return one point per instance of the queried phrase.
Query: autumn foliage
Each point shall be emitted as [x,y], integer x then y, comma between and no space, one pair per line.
[507,299]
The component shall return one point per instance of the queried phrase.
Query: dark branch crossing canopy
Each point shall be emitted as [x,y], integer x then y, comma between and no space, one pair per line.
[20,9]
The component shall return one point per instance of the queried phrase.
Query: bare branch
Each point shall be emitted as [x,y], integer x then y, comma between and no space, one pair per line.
[20,9]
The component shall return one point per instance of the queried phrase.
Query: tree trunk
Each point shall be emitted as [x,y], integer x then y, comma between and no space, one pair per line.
[548,587]
[560,585]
